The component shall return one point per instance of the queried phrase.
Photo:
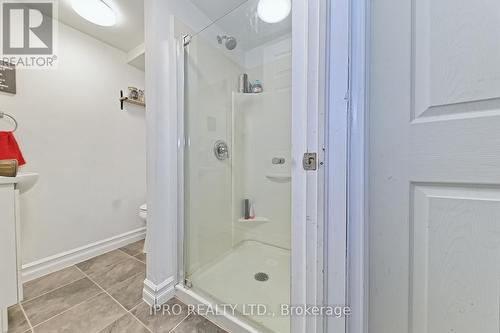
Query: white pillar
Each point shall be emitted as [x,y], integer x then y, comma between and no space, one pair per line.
[161,119]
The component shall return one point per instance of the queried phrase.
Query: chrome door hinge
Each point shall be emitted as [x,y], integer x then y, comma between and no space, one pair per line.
[310,161]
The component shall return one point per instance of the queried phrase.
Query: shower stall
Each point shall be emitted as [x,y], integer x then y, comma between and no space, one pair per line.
[236,84]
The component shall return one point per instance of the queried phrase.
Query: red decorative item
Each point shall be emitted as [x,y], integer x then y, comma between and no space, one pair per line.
[9,149]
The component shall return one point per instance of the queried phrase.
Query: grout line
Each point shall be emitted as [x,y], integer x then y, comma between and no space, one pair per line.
[133,316]
[139,260]
[26,316]
[173,329]
[144,262]
[47,292]
[126,311]
[135,256]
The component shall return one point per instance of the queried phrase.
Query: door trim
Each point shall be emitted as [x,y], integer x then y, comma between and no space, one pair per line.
[358,257]
[337,135]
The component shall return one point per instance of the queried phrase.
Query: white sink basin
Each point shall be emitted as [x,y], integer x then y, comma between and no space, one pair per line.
[26,181]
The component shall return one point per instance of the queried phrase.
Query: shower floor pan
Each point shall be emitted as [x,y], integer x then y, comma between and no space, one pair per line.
[252,273]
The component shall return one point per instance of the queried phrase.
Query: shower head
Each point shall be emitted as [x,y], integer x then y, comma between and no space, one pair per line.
[229,41]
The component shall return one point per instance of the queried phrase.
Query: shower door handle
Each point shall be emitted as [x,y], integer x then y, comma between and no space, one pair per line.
[221,150]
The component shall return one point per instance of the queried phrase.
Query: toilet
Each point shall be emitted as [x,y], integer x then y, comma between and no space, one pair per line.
[143,214]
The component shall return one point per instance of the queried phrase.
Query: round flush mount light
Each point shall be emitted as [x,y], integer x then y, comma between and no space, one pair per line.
[95,11]
[274,11]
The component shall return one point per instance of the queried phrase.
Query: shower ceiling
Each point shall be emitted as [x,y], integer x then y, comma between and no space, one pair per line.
[128,33]
[243,24]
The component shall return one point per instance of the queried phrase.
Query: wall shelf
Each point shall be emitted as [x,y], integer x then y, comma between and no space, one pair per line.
[280,177]
[255,219]
[131,101]
[124,99]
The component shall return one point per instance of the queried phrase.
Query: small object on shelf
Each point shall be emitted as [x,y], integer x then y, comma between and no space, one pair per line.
[133,93]
[8,168]
[246,209]
[131,101]
[141,97]
[257,87]
[252,210]
[243,83]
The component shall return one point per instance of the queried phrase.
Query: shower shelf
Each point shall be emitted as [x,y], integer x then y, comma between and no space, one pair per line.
[255,219]
[129,100]
[279,176]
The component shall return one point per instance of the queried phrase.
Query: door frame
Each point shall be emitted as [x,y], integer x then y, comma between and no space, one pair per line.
[308,107]
[358,181]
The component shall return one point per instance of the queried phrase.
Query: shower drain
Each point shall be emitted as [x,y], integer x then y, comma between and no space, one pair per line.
[261,277]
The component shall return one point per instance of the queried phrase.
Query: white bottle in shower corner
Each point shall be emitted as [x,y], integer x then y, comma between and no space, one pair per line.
[252,210]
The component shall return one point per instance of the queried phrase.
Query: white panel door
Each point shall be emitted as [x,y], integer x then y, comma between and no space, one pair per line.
[434,167]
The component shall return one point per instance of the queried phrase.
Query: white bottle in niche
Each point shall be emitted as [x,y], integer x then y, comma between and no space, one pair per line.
[252,210]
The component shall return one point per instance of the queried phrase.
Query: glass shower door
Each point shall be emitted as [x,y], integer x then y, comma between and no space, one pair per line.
[237,165]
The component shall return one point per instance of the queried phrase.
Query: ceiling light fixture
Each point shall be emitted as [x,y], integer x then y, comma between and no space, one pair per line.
[274,11]
[95,11]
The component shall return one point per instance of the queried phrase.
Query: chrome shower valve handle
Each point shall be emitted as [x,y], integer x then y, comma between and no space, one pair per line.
[221,150]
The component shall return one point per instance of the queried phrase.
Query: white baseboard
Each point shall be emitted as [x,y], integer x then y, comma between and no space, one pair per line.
[62,260]
[156,295]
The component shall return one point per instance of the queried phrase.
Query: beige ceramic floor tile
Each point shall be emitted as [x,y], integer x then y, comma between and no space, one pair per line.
[129,292]
[161,322]
[102,262]
[126,324]
[89,317]
[17,320]
[118,273]
[59,300]
[134,248]
[50,282]
[197,324]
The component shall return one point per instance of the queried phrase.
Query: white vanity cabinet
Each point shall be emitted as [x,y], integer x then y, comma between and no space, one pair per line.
[10,241]
[9,291]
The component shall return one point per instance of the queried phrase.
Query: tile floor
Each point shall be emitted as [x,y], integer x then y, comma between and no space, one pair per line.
[100,295]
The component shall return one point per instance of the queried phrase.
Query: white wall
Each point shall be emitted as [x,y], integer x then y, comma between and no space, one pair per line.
[262,131]
[90,155]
